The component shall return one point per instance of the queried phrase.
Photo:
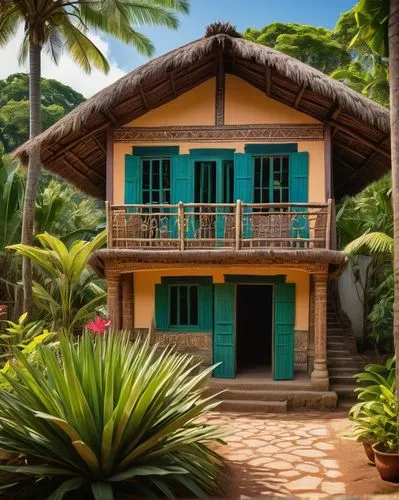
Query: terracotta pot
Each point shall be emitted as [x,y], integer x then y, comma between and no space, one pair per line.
[387,463]
[368,448]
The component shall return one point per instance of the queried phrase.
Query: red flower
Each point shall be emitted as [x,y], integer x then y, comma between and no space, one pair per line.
[3,309]
[99,325]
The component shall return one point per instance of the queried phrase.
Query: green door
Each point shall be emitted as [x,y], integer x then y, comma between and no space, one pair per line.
[284,321]
[224,331]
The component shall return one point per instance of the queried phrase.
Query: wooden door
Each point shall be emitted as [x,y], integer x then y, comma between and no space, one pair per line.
[284,323]
[224,331]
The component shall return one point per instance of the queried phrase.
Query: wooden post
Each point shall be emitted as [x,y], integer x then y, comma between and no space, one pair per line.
[110,165]
[109,224]
[238,224]
[320,378]
[128,302]
[180,224]
[328,226]
[114,300]
[310,354]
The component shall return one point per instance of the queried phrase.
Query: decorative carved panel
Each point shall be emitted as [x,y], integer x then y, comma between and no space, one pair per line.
[301,350]
[269,133]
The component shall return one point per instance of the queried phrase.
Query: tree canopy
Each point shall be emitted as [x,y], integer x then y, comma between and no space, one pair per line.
[57,100]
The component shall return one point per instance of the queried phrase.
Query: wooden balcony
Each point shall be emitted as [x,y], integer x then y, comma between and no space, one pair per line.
[235,226]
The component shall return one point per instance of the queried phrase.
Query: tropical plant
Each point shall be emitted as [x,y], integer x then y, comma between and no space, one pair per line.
[61,24]
[378,26]
[68,293]
[108,417]
[21,332]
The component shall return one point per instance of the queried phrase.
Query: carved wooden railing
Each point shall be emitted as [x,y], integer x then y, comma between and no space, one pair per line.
[223,225]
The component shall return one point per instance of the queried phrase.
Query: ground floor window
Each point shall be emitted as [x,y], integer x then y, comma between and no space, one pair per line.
[183,305]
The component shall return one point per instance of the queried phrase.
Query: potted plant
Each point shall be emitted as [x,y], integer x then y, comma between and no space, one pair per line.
[386,426]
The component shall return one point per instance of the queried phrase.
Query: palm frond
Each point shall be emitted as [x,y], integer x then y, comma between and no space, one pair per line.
[371,243]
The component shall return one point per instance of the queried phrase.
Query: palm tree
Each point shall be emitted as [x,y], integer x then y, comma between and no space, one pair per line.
[55,25]
[378,22]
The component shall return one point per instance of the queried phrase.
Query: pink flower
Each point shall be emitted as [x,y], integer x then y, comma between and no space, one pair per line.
[99,325]
[3,309]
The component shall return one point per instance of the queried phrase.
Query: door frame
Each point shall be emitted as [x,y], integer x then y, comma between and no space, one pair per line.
[272,285]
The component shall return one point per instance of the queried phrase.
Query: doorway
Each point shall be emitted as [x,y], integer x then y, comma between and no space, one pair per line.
[254,334]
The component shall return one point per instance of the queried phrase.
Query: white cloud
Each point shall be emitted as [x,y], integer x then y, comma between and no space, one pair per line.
[67,70]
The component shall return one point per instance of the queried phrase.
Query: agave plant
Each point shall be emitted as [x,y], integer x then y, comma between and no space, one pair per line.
[67,290]
[108,417]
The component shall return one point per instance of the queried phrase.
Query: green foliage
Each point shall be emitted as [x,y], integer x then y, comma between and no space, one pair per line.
[372,22]
[57,100]
[381,315]
[21,332]
[376,412]
[67,293]
[315,46]
[108,418]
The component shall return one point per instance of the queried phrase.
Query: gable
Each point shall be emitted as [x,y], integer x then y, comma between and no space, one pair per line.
[195,107]
[245,104]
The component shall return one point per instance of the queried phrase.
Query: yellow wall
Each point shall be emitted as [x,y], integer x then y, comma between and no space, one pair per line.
[244,104]
[144,286]
[196,107]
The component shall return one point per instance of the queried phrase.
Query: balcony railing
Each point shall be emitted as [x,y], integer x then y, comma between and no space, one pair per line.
[217,226]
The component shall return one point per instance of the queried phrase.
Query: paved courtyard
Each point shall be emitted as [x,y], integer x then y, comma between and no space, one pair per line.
[296,455]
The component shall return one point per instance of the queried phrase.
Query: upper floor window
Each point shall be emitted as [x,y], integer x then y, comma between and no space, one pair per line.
[156,181]
[271,179]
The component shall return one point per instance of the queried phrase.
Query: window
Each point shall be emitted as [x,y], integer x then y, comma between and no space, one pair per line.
[183,305]
[156,181]
[271,179]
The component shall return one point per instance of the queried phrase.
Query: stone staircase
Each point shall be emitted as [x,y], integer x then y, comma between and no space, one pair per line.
[343,360]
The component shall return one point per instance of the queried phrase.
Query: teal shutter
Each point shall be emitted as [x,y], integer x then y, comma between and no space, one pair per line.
[161,306]
[223,336]
[205,299]
[182,187]
[132,179]
[284,323]
[298,192]
[244,187]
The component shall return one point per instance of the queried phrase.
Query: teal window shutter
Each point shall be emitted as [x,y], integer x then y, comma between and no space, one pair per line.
[298,192]
[206,307]
[244,187]
[132,179]
[161,306]
[299,177]
[224,331]
[284,324]
[182,179]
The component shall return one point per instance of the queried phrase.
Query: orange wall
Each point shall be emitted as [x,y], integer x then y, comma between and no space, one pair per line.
[244,104]
[144,286]
[195,107]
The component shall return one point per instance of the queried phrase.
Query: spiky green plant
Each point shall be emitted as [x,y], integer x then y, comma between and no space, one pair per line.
[106,418]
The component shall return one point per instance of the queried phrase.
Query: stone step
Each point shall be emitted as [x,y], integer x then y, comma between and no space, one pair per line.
[345,404]
[336,338]
[346,361]
[216,385]
[342,370]
[341,379]
[338,353]
[253,406]
[335,331]
[336,344]
[345,391]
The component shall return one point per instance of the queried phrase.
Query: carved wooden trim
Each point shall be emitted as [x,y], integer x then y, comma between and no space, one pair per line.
[269,133]
[220,93]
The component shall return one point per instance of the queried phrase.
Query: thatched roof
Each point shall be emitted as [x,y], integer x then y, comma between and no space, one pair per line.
[158,259]
[75,147]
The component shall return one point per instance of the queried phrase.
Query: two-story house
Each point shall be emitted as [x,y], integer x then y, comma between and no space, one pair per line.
[219,163]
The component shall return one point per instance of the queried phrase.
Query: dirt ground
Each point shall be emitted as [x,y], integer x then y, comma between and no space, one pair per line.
[296,455]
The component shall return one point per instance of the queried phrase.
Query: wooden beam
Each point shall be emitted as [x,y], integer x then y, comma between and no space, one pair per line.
[112,118]
[327,163]
[78,172]
[220,91]
[299,96]
[172,84]
[110,166]
[268,80]
[350,150]
[346,164]
[359,138]
[99,145]
[86,168]
[144,98]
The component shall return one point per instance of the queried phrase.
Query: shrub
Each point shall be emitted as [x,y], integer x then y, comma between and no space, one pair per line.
[108,417]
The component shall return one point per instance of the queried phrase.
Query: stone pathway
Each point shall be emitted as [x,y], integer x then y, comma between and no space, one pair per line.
[295,455]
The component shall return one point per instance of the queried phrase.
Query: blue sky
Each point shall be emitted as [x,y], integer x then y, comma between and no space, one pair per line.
[242,13]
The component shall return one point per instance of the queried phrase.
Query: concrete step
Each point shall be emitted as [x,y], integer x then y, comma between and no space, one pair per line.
[345,391]
[253,406]
[342,370]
